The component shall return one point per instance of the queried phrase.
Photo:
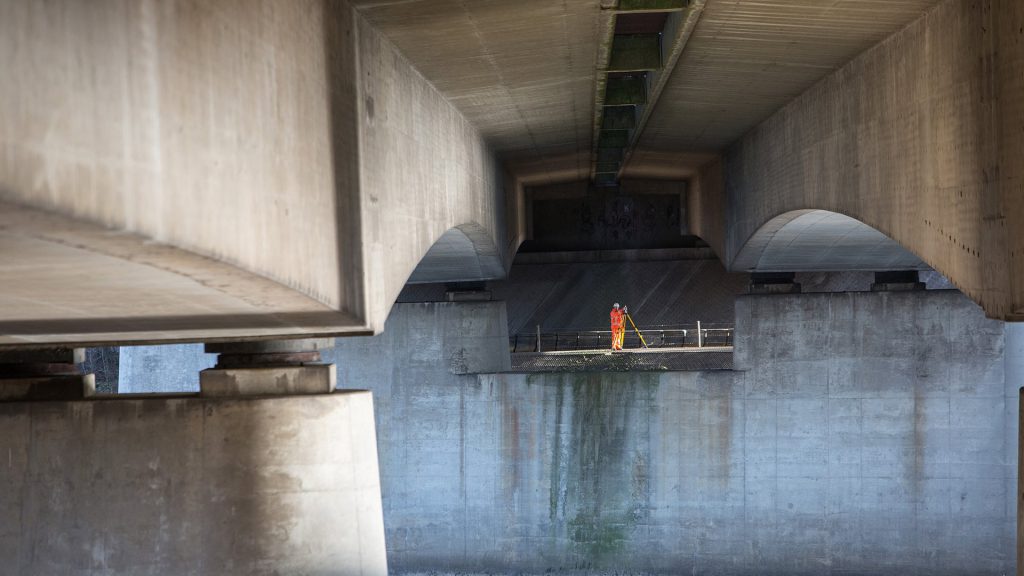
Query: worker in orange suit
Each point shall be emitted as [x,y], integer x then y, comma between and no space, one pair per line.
[618,325]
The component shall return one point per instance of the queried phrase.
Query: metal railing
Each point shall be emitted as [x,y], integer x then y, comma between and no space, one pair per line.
[693,336]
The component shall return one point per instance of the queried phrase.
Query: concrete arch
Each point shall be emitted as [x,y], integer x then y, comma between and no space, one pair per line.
[812,240]
[878,140]
[463,253]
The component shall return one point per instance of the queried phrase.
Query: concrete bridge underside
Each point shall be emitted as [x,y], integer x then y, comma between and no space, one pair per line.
[256,171]
[248,173]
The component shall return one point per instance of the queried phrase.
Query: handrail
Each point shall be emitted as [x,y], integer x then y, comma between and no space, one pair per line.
[699,336]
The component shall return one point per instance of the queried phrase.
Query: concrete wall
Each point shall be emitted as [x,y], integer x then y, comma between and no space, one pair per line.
[578,295]
[167,368]
[429,341]
[191,486]
[919,137]
[868,433]
[706,209]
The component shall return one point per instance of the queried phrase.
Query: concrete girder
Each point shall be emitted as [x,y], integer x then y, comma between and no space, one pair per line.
[919,138]
[281,154]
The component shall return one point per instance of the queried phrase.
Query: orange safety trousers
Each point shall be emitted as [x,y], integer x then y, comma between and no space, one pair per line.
[618,328]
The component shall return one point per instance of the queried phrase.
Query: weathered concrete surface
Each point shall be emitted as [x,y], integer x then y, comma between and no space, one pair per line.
[919,137]
[291,164]
[423,170]
[195,125]
[432,338]
[871,433]
[69,282]
[268,380]
[191,486]
[747,59]
[521,72]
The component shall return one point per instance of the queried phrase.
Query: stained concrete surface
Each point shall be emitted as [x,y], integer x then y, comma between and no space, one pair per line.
[632,359]
[159,486]
[867,433]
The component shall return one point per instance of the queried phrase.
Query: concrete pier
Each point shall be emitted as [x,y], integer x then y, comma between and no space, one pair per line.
[188,485]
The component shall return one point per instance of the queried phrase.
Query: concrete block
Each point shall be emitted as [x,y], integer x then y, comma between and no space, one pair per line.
[269,380]
[71,387]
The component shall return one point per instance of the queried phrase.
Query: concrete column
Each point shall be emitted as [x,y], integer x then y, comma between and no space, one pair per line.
[44,374]
[269,367]
[191,485]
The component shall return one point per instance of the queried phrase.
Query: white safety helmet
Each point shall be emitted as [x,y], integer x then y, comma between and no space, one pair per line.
[616,305]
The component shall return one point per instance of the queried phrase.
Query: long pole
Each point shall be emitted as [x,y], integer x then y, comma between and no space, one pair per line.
[635,329]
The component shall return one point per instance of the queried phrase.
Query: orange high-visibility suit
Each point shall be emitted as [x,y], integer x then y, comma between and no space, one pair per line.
[618,328]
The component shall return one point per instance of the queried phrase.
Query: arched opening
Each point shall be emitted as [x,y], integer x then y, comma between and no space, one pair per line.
[822,241]
[462,254]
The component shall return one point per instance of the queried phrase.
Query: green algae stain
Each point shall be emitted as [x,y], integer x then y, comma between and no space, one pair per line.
[606,489]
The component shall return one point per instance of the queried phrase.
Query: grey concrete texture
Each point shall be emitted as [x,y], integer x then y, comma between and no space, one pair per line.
[290,191]
[735,71]
[69,282]
[423,170]
[191,486]
[267,380]
[166,368]
[870,433]
[198,125]
[918,137]
[525,74]
[425,340]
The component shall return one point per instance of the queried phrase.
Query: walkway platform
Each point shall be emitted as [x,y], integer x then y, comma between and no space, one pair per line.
[637,359]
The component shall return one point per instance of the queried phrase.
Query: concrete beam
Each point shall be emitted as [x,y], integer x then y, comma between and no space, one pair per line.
[128,119]
[919,137]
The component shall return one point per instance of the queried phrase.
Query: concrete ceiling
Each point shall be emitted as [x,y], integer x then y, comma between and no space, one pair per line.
[523,71]
[746,59]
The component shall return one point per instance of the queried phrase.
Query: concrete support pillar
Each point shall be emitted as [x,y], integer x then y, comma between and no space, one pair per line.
[44,374]
[191,485]
[269,367]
